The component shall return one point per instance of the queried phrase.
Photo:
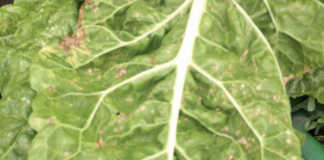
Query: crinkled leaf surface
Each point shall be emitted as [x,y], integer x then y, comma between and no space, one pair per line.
[15,104]
[18,44]
[172,79]
[15,107]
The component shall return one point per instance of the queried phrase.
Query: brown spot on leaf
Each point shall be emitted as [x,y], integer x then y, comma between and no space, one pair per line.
[244,142]
[94,7]
[66,154]
[259,87]
[288,141]
[142,108]
[238,132]
[76,39]
[288,78]
[244,55]
[51,89]
[121,72]
[276,98]
[215,67]
[100,143]
[137,14]
[124,116]
[85,3]
[49,121]
[152,60]
[90,71]
[225,129]
[96,69]
[306,69]
[129,100]
[73,41]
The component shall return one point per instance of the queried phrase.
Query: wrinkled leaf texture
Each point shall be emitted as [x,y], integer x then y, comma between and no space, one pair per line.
[19,43]
[16,94]
[167,79]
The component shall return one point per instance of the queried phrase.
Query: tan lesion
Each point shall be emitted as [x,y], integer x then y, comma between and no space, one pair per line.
[4,25]
[288,78]
[73,41]
[306,69]
[85,3]
[244,55]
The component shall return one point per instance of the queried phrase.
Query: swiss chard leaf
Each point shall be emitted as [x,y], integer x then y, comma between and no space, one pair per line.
[180,79]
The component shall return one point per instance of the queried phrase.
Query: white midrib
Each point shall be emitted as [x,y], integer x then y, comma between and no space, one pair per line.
[183,60]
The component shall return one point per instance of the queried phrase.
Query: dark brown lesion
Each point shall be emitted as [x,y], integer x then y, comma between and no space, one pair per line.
[75,40]
[85,3]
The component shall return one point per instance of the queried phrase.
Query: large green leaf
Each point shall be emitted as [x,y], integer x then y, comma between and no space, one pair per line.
[162,79]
